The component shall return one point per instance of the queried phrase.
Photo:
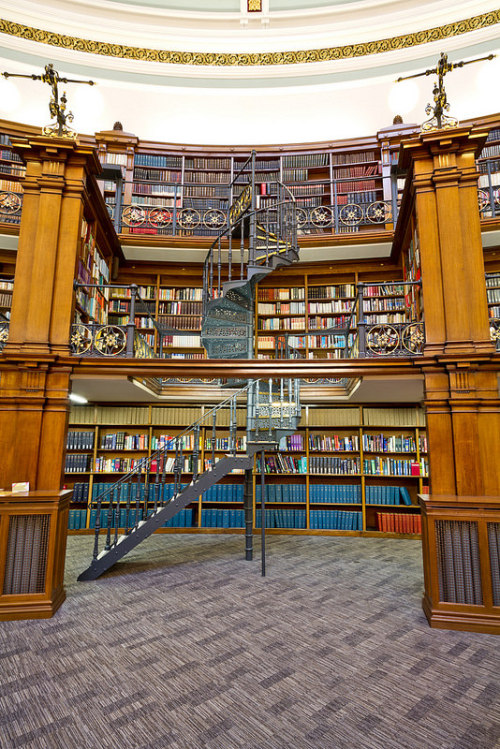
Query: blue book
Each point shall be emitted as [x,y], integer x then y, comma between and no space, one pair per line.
[404,495]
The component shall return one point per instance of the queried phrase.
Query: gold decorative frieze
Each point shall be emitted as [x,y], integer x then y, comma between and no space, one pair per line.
[247,59]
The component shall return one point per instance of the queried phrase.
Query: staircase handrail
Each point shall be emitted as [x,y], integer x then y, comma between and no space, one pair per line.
[247,215]
[148,459]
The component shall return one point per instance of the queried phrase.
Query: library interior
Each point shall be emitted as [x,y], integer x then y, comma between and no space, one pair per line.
[250,374]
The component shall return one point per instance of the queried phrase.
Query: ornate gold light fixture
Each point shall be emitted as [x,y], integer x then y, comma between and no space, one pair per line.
[440,120]
[57,107]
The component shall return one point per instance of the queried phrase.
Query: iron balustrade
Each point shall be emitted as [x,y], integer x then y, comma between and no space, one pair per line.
[11,206]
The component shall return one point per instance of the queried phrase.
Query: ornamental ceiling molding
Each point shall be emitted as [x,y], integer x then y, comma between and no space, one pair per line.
[244,59]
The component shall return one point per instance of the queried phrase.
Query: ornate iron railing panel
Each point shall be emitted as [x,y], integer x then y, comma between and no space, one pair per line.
[92,339]
[393,339]
[11,205]
[4,334]
[495,331]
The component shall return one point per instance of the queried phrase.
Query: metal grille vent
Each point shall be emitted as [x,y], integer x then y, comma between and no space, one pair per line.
[458,562]
[494,543]
[26,554]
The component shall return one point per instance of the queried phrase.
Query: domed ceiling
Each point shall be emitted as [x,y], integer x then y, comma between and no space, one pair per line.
[216,72]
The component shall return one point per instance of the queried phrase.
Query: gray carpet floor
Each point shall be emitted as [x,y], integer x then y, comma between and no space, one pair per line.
[184,646]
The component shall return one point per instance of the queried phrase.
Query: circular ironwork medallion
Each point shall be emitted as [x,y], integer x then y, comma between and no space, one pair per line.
[351,214]
[188,218]
[160,217]
[110,340]
[382,340]
[81,339]
[134,215]
[378,212]
[10,202]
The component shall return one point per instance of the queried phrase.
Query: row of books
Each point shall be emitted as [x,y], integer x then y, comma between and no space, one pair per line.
[383,304]
[322,323]
[80,440]
[315,188]
[335,493]
[393,318]
[77,463]
[281,518]
[292,442]
[181,322]
[396,522]
[330,341]
[340,291]
[488,151]
[77,519]
[80,492]
[282,323]
[155,188]
[6,285]
[206,191]
[207,178]
[492,281]
[222,518]
[155,175]
[281,492]
[356,186]
[124,441]
[118,465]
[384,290]
[333,443]
[222,443]
[494,295]
[389,444]
[335,466]
[295,175]
[394,467]
[326,308]
[354,157]
[224,493]
[356,171]
[183,519]
[293,292]
[181,294]
[211,163]
[173,441]
[279,463]
[167,162]
[181,341]
[282,308]
[305,160]
[180,308]
[134,492]
[387,495]
[335,520]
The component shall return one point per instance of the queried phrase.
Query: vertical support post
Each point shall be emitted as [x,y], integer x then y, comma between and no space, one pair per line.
[117,218]
[361,323]
[335,207]
[263,513]
[253,217]
[131,322]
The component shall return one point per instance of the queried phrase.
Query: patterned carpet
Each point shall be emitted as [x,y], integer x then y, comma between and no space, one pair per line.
[184,646]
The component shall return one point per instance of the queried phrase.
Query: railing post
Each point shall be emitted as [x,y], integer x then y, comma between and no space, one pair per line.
[394,199]
[361,323]
[263,513]
[253,217]
[490,190]
[131,322]
[335,207]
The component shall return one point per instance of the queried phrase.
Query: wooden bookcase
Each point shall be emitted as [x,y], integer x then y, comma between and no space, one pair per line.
[368,462]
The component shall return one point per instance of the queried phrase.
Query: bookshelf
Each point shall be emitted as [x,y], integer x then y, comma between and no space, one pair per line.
[91,304]
[324,478]
[314,303]
[6,289]
[493,294]
[488,165]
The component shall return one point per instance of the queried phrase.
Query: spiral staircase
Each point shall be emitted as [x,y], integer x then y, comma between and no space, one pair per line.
[258,241]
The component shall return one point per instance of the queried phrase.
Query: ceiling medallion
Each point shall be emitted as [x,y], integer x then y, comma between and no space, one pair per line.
[246,59]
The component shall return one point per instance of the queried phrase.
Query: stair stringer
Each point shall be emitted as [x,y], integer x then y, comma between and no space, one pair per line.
[107,558]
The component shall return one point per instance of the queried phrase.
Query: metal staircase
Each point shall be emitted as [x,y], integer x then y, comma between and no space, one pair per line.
[142,501]
[257,241]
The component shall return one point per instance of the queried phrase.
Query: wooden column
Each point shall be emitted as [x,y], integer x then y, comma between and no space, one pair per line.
[461,386]
[34,384]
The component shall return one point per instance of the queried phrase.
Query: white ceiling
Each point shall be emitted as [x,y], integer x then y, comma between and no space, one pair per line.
[244,104]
